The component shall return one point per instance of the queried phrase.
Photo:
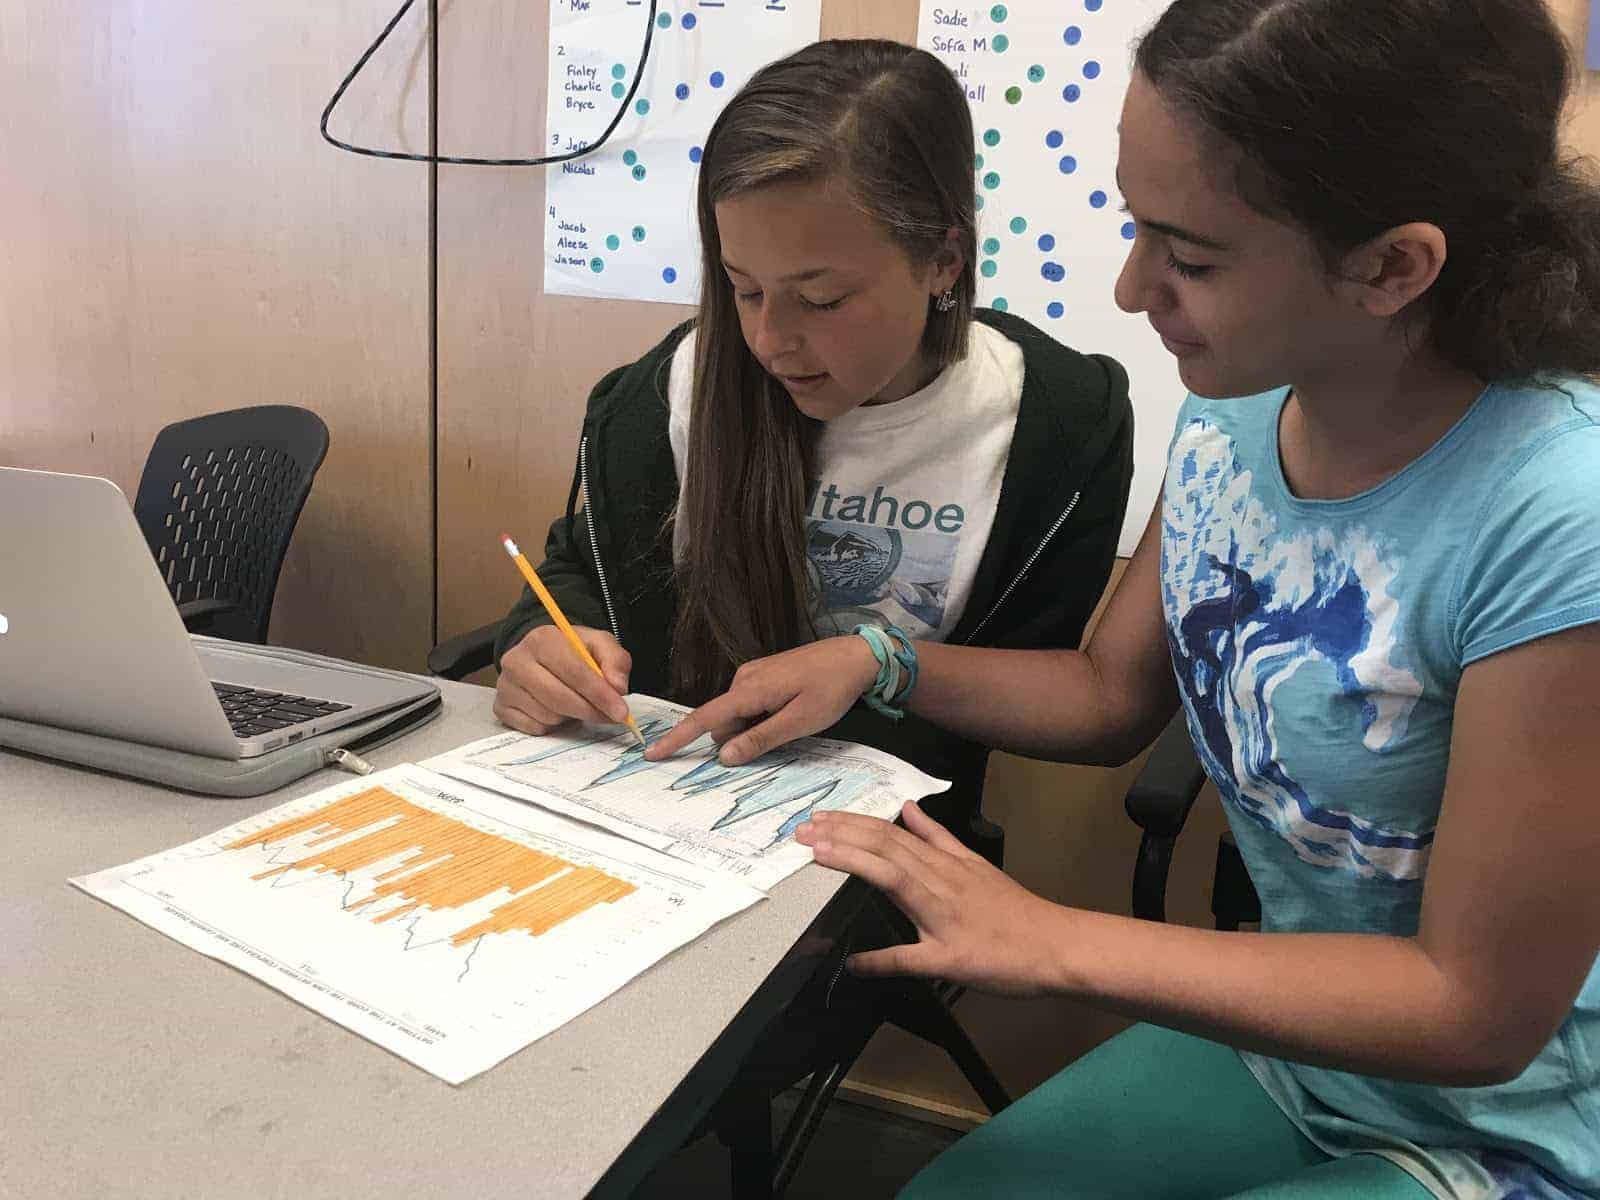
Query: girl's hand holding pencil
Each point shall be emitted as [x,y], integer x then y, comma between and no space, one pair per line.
[561,672]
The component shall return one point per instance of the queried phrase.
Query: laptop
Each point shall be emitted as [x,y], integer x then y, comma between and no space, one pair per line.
[91,640]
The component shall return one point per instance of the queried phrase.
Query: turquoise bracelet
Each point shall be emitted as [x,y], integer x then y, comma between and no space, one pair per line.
[897,669]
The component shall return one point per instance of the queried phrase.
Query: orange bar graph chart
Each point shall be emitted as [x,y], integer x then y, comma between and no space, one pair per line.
[446,865]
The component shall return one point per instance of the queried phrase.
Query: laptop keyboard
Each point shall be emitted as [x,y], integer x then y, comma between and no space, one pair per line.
[252,712]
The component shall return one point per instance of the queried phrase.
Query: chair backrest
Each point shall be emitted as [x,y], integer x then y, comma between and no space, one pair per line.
[218,501]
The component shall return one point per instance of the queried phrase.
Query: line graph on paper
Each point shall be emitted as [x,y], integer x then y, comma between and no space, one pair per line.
[452,925]
[734,820]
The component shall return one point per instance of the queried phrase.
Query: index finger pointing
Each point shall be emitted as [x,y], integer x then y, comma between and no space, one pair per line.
[711,715]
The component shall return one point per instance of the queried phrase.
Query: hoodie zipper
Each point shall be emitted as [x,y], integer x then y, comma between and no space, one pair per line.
[1026,567]
[594,541]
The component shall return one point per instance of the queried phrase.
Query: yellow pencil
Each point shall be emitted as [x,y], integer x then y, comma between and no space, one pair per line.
[554,609]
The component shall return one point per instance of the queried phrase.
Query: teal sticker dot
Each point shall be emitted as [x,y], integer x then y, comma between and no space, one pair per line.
[638,233]
[998,13]
[1036,74]
[1001,43]
[991,137]
[1000,304]
[991,245]
[1013,95]
[638,172]
[664,20]
[977,162]
[641,106]
[629,158]
[1019,225]
[988,268]
[618,91]
[613,242]
[618,71]
[980,203]
[991,180]
[597,265]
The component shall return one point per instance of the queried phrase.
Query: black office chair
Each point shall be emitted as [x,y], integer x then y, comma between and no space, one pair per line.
[218,502]
[1159,802]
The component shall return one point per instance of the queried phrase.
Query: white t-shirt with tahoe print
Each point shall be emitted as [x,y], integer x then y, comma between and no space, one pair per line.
[905,493]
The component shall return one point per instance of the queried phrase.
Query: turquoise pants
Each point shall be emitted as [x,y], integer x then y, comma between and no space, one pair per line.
[1153,1115]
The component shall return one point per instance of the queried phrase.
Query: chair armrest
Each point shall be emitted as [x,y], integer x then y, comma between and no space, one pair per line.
[198,612]
[460,656]
[1161,797]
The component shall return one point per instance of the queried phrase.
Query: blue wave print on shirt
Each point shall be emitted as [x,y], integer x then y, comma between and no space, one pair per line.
[1246,608]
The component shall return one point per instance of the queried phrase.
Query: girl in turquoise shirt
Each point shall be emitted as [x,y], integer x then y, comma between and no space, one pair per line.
[1372,582]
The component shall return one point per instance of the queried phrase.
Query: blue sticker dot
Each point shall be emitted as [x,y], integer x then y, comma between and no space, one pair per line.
[1053,271]
[664,20]
[1036,74]
[1019,225]
[1054,138]
[1055,308]
[988,268]
[618,91]
[638,172]
[1068,164]
[1091,70]
[681,91]
[718,79]
[1072,36]
[618,71]
[1000,304]
[689,21]
[696,153]
[1047,242]
[1092,5]
[613,242]
[638,233]
[597,265]
[670,275]
[1097,199]
[1071,92]
[629,157]
[641,106]
[991,245]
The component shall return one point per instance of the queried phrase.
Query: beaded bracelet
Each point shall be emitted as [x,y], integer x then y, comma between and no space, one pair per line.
[897,669]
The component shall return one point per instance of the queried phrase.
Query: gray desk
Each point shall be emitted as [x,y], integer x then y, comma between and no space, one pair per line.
[132,1066]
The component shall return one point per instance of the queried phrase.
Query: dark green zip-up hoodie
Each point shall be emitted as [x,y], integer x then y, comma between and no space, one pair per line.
[1049,554]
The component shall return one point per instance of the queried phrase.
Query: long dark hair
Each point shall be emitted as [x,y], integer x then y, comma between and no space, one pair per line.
[891,124]
[1347,118]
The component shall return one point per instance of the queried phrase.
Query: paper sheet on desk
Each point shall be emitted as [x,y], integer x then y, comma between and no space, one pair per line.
[736,821]
[448,924]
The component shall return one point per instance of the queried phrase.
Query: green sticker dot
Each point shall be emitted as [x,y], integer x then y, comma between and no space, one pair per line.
[1001,43]
[597,265]
[1000,304]
[991,137]
[612,243]
[1036,74]
[1018,225]
[991,245]
[1013,95]
[638,172]
[618,91]
[991,180]
[998,13]
[638,233]
[988,268]
[641,106]
[618,71]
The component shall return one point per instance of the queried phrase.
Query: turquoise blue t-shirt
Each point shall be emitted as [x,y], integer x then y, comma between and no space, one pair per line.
[1318,647]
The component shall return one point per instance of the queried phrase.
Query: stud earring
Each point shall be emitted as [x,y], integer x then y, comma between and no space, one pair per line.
[947,301]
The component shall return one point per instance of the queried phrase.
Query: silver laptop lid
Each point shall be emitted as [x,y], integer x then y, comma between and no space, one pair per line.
[93,640]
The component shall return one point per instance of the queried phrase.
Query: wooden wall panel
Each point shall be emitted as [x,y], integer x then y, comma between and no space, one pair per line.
[178,239]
